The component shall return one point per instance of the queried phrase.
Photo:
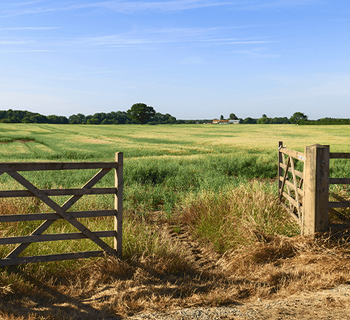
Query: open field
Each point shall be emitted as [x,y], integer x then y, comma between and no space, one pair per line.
[77,142]
[202,225]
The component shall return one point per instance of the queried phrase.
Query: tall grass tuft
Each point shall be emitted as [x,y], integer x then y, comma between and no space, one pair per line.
[236,217]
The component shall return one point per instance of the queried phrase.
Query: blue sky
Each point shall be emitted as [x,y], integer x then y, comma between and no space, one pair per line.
[194,59]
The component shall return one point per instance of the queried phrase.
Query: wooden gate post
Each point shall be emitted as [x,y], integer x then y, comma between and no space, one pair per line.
[280,171]
[316,189]
[118,219]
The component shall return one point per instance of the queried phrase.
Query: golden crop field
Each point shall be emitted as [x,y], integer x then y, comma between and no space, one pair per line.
[24,142]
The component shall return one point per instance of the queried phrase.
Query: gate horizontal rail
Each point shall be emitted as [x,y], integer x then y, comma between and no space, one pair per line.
[312,195]
[292,179]
[61,212]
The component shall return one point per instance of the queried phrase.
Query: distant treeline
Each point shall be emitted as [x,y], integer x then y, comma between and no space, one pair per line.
[297,118]
[121,117]
[118,117]
[325,121]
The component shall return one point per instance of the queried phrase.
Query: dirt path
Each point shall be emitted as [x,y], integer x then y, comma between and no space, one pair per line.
[199,255]
[328,304]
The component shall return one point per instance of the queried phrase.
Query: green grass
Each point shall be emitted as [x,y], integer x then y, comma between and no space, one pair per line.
[88,142]
[167,168]
[234,217]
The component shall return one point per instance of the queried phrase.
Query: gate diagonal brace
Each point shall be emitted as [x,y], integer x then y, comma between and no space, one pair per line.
[45,225]
[61,211]
[295,187]
[285,177]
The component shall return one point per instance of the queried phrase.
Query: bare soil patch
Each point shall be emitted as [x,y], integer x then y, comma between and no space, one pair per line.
[327,304]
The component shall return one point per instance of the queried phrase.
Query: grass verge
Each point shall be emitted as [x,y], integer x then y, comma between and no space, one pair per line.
[242,230]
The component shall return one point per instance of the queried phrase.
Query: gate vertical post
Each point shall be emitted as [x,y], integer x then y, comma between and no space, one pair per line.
[280,172]
[118,205]
[316,189]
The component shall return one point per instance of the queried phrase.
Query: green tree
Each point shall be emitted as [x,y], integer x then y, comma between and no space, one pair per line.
[57,119]
[249,120]
[221,117]
[264,119]
[233,116]
[77,118]
[297,116]
[140,112]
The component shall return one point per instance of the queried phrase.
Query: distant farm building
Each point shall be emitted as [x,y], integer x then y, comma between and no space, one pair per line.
[216,121]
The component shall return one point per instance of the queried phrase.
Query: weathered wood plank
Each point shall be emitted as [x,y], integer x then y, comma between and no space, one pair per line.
[52,257]
[295,154]
[295,187]
[284,179]
[290,199]
[58,192]
[54,237]
[292,214]
[339,180]
[342,204]
[316,189]
[96,178]
[37,236]
[336,155]
[55,216]
[16,251]
[39,166]
[301,183]
[279,170]
[297,173]
[45,225]
[61,212]
[291,185]
[118,205]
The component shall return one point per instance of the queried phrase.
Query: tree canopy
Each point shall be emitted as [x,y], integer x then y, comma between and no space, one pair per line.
[141,112]
[298,116]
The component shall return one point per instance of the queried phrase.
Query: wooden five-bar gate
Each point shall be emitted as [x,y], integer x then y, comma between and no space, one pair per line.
[305,194]
[61,212]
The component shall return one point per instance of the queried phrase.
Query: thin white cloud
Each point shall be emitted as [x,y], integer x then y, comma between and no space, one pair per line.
[86,73]
[128,40]
[25,51]
[257,53]
[254,5]
[166,6]
[198,36]
[27,3]
[12,42]
[125,7]
[130,7]
[144,39]
[125,40]
[236,41]
[30,28]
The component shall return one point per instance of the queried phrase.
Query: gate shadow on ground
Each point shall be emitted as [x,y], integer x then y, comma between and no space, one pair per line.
[48,304]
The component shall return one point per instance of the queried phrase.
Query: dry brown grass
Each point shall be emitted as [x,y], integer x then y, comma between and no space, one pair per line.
[170,265]
[273,268]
